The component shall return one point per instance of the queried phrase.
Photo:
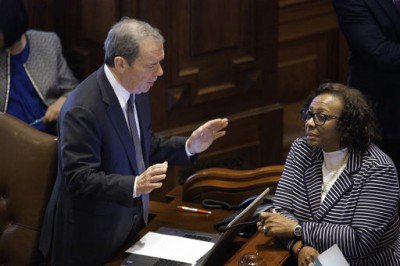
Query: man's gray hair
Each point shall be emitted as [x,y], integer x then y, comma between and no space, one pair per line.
[124,37]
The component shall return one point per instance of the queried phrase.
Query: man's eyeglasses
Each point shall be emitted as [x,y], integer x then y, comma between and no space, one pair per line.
[319,119]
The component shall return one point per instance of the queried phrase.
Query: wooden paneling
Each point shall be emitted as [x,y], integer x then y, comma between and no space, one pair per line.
[216,25]
[220,61]
[41,14]
[307,31]
[311,51]
[95,25]
[215,60]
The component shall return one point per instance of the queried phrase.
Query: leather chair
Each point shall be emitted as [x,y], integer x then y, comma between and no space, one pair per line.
[231,186]
[28,163]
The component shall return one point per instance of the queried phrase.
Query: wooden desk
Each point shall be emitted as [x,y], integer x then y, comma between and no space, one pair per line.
[167,215]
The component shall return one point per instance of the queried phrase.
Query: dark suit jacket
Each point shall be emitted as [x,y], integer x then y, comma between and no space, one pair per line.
[372,30]
[360,211]
[92,211]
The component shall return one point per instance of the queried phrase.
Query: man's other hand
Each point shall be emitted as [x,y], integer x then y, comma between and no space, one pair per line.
[151,178]
[202,138]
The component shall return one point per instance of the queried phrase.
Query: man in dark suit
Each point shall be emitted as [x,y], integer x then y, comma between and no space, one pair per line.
[101,195]
[372,30]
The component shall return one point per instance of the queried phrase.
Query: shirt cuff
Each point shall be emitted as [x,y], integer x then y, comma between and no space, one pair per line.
[187,150]
[134,194]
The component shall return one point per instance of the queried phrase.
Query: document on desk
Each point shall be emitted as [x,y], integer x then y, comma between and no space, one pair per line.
[170,247]
[331,257]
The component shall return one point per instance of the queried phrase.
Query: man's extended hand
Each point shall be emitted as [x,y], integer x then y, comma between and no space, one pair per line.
[54,110]
[205,135]
[151,178]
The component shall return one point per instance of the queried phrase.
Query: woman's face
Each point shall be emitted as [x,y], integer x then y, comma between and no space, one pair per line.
[325,136]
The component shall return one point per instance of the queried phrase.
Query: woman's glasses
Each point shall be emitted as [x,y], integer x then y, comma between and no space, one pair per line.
[319,119]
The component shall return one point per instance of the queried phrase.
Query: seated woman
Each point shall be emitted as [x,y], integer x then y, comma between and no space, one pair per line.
[337,187]
[34,77]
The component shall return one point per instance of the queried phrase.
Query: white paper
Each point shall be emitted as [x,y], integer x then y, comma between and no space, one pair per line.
[332,257]
[171,247]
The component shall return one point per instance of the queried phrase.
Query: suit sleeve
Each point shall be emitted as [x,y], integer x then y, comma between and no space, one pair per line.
[370,219]
[169,149]
[364,35]
[283,200]
[81,142]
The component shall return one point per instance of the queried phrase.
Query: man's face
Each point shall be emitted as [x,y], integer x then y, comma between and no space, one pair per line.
[140,75]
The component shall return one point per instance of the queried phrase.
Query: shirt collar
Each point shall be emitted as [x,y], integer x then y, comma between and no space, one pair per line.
[120,91]
[334,158]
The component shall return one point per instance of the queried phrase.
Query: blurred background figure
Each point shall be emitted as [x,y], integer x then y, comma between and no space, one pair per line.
[372,30]
[34,77]
[331,184]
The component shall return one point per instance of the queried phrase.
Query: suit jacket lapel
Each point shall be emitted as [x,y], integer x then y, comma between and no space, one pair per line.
[313,181]
[117,117]
[392,12]
[343,184]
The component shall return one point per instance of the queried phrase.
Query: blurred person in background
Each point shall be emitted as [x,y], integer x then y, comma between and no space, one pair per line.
[372,31]
[34,77]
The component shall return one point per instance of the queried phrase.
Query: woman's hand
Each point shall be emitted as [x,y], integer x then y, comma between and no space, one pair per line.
[307,256]
[54,110]
[275,224]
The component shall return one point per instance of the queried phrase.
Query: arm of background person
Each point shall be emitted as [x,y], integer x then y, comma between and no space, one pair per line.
[66,82]
[364,35]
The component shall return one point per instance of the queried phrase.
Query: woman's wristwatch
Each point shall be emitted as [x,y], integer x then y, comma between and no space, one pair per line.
[298,232]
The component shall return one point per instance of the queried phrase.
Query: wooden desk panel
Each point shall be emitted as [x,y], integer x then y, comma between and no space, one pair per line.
[167,215]
[272,252]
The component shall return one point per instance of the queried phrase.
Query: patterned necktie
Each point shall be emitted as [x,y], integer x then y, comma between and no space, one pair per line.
[138,152]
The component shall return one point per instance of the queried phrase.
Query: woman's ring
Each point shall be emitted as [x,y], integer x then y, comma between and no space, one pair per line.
[264,229]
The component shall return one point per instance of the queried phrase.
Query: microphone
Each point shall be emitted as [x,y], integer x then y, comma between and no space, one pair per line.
[224,228]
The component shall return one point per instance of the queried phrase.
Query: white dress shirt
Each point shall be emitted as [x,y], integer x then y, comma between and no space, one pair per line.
[333,166]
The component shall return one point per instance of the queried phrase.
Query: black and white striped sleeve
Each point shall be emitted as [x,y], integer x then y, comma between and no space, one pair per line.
[283,200]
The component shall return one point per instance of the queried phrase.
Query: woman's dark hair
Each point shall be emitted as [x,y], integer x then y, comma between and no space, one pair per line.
[357,124]
[14,21]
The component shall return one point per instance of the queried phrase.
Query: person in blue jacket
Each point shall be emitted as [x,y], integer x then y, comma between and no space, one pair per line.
[34,77]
